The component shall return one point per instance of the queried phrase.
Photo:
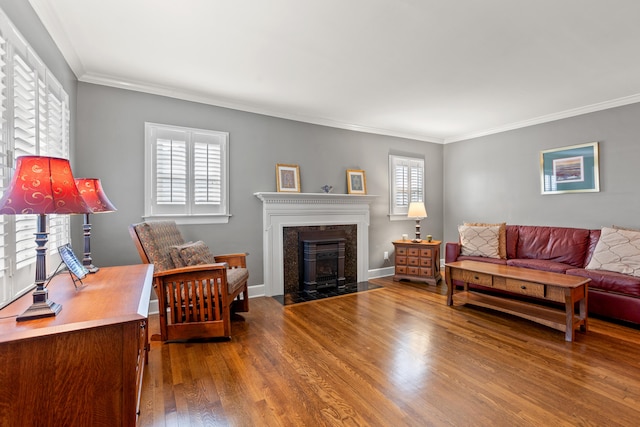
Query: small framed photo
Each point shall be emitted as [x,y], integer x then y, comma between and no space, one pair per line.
[356,182]
[288,178]
[572,169]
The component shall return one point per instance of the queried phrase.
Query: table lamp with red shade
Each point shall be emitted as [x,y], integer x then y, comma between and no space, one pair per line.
[40,186]
[92,193]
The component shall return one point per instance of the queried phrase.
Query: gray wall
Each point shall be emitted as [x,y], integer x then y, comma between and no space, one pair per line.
[110,132]
[497,178]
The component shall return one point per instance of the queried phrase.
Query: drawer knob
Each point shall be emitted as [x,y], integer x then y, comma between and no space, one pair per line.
[476,278]
[523,287]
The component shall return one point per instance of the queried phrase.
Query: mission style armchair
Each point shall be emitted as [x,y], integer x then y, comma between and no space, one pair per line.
[196,291]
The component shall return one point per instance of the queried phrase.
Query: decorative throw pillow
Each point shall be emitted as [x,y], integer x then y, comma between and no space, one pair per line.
[502,237]
[197,253]
[479,241]
[617,250]
[174,251]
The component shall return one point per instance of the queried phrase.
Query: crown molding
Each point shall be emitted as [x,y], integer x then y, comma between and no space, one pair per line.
[210,100]
[619,102]
[59,36]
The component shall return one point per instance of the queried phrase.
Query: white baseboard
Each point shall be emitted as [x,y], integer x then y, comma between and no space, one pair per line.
[256,291]
[381,272]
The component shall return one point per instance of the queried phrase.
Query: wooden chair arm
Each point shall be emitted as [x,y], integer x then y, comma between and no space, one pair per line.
[234,260]
[192,269]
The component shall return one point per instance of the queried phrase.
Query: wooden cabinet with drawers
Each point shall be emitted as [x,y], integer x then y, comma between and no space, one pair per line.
[83,367]
[417,261]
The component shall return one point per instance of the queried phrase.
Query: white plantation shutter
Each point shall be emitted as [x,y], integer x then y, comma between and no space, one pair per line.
[186,174]
[24,131]
[34,119]
[406,183]
[171,172]
[5,169]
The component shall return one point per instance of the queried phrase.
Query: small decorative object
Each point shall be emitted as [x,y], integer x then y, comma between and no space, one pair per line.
[429,238]
[418,212]
[356,182]
[405,237]
[572,169]
[327,188]
[288,178]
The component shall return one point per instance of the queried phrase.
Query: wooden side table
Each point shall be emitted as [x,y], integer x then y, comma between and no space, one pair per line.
[417,261]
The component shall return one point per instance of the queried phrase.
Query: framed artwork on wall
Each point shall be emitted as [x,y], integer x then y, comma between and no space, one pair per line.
[572,169]
[288,178]
[356,181]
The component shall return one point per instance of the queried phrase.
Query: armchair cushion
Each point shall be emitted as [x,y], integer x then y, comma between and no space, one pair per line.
[156,238]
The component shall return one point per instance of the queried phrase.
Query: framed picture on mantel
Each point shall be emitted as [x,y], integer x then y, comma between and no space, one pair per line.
[572,169]
[288,178]
[356,182]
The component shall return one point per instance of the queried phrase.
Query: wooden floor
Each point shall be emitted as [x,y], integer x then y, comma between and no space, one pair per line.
[395,356]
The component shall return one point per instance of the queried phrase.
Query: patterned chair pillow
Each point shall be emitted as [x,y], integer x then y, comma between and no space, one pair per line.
[174,251]
[196,253]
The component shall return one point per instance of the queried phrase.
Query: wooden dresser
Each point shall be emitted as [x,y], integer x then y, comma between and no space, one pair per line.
[417,261]
[83,367]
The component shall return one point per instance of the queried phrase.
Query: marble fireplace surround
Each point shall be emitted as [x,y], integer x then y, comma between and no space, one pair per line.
[281,210]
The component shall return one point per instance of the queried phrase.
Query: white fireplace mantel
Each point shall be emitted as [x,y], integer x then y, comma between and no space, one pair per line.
[280,210]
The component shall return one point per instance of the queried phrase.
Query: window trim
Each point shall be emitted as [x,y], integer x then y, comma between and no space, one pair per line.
[394,159]
[149,180]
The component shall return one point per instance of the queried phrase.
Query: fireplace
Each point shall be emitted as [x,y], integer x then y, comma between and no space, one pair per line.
[284,211]
[321,259]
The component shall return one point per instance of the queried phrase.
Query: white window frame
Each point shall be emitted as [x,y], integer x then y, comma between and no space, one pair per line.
[188,211]
[34,120]
[413,165]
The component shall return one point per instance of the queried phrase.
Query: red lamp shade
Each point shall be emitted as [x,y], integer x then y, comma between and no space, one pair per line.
[91,191]
[42,185]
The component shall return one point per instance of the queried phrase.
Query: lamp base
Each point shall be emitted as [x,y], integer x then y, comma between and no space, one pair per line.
[416,240]
[41,307]
[92,268]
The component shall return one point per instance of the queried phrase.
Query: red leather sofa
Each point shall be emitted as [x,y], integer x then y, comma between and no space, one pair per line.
[566,250]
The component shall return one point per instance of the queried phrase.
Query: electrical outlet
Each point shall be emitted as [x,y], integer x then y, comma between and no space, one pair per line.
[386,256]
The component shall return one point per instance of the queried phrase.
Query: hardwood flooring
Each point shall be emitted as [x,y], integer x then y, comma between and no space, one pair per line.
[394,356]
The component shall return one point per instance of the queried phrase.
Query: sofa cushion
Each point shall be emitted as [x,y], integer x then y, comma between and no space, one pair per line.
[618,250]
[610,281]
[482,259]
[502,236]
[512,241]
[559,244]
[479,241]
[540,264]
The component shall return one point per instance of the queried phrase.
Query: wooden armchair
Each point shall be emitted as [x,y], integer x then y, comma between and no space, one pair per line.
[196,291]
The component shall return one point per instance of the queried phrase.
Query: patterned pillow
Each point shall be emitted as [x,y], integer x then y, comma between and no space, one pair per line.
[502,237]
[174,251]
[479,241]
[617,250]
[196,253]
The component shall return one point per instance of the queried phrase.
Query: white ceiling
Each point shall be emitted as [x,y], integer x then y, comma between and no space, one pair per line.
[433,70]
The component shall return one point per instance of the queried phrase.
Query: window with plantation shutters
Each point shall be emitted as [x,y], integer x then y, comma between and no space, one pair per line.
[34,120]
[406,184]
[186,174]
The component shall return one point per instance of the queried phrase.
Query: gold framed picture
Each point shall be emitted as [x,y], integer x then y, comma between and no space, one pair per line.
[356,181]
[288,178]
